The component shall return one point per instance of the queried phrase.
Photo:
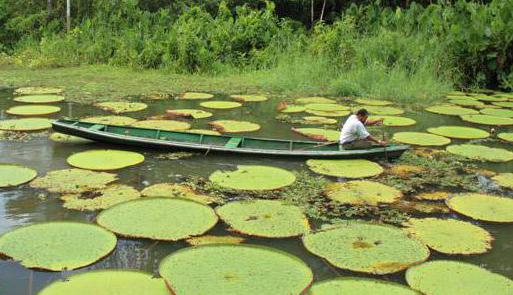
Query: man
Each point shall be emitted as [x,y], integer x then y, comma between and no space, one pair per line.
[354,135]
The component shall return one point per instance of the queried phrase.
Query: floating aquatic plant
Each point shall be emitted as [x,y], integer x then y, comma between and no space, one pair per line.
[233,126]
[13,175]
[203,131]
[313,99]
[394,121]
[33,110]
[318,133]
[362,193]
[66,138]
[26,124]
[167,125]
[101,199]
[195,95]
[209,240]
[110,120]
[173,190]
[359,286]
[319,120]
[39,98]
[345,168]
[340,113]
[504,180]
[497,112]
[373,102]
[37,90]
[104,159]
[421,139]
[480,152]
[290,108]
[488,120]
[482,206]
[249,98]
[433,196]
[506,136]
[451,110]
[219,104]
[73,181]
[186,113]
[459,132]
[383,110]
[250,177]
[325,107]
[118,107]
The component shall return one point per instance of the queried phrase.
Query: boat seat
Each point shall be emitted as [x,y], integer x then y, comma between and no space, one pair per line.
[233,142]
[97,127]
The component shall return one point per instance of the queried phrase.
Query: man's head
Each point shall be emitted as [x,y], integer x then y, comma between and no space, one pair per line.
[362,115]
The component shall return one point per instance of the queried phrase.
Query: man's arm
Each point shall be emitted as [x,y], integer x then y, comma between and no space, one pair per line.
[374,122]
[375,140]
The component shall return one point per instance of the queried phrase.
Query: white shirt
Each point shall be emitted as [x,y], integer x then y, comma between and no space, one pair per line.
[353,130]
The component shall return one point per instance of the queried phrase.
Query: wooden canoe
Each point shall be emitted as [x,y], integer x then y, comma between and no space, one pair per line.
[152,138]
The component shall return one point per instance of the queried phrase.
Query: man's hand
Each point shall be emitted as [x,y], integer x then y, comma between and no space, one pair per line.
[382,142]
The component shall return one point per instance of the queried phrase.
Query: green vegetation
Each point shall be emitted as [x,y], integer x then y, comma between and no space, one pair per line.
[354,286]
[105,159]
[13,175]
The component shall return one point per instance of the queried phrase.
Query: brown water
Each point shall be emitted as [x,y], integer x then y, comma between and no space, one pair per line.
[23,205]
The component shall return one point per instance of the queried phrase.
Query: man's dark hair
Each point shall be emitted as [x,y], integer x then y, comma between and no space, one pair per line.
[362,112]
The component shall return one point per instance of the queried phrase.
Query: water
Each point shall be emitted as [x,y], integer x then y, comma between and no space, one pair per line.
[23,205]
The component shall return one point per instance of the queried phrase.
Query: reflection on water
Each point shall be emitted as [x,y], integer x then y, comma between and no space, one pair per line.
[24,205]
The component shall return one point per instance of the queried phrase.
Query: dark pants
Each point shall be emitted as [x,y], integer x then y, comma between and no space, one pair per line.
[358,144]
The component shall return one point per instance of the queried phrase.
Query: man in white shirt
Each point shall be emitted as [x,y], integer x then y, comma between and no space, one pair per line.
[354,135]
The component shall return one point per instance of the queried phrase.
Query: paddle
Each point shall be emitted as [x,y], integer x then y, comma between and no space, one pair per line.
[383,139]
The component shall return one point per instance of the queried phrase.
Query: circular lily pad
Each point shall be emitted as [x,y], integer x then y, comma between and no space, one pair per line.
[33,110]
[490,98]
[459,132]
[108,282]
[249,98]
[443,277]
[196,95]
[480,152]
[362,193]
[504,179]
[65,138]
[264,218]
[203,131]
[257,270]
[506,104]
[450,236]
[383,110]
[250,177]
[365,247]
[451,110]
[293,109]
[421,138]
[467,102]
[39,98]
[118,107]
[168,125]
[405,171]
[57,245]
[319,120]
[105,159]
[482,207]
[506,136]
[318,133]
[313,99]
[27,124]
[233,126]
[373,102]
[488,120]
[37,90]
[325,107]
[222,105]
[110,120]
[102,199]
[209,240]
[192,113]
[394,121]
[168,219]
[433,196]
[329,114]
[73,181]
[359,286]
[345,168]
[173,190]
[13,175]
[497,112]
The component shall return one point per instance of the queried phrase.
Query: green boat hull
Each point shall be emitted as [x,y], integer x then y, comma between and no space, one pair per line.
[173,140]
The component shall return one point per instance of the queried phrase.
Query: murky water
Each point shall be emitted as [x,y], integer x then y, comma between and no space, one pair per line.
[23,205]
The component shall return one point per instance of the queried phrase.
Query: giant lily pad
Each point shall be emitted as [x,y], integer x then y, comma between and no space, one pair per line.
[318,133]
[383,110]
[33,110]
[394,121]
[488,120]
[504,179]
[196,95]
[195,114]
[467,102]
[325,107]
[293,109]
[444,277]
[168,219]
[13,175]
[497,112]
[57,245]
[459,132]
[168,125]
[203,131]
[111,120]
[173,190]
[450,236]
[366,247]
[73,181]
[119,107]
[249,98]
[39,98]
[359,286]
[345,168]
[433,196]
[256,270]
[37,90]
[451,110]
[490,98]
[27,124]
[209,240]
[108,282]
[66,138]
[105,159]
[483,207]
[421,138]
[264,218]
[506,104]
[233,126]
[222,105]
[373,102]
[249,177]
[313,99]
[480,152]
[101,199]
[362,193]
[315,120]
[506,136]
[329,114]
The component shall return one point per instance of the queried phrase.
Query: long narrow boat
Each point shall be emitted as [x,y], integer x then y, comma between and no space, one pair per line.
[152,138]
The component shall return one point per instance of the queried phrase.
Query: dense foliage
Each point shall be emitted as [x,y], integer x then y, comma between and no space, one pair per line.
[350,47]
